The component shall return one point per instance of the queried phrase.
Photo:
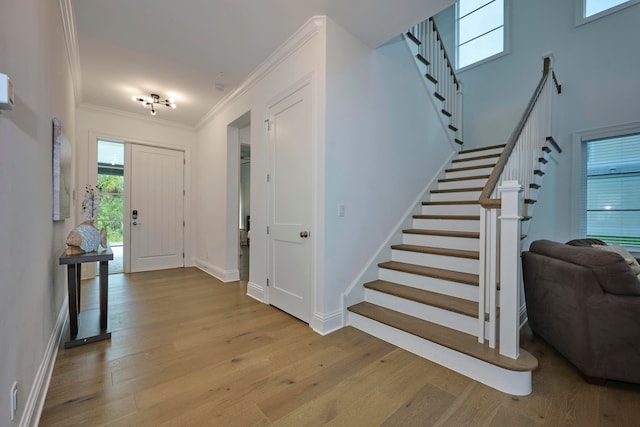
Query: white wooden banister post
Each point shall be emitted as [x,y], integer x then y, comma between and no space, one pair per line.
[510,269]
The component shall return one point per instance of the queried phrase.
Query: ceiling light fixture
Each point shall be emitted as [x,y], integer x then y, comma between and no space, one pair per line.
[154,100]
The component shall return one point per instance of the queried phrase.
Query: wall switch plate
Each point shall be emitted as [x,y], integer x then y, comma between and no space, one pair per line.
[341,210]
[6,93]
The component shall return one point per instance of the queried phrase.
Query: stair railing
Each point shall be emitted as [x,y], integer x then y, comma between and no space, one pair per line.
[440,71]
[514,173]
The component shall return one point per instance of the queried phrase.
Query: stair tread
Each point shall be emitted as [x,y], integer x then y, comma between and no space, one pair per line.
[438,273]
[474,150]
[455,217]
[452,202]
[446,302]
[438,251]
[469,159]
[457,190]
[468,168]
[465,234]
[455,340]
[464,178]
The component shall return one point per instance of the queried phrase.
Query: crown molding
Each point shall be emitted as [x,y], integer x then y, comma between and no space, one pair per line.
[134,116]
[294,43]
[73,52]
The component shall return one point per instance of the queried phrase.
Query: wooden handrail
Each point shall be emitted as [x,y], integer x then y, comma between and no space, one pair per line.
[485,199]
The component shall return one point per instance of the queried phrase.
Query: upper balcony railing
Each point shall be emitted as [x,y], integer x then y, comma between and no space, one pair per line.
[440,72]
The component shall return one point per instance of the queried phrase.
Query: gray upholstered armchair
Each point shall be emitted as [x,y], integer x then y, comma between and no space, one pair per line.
[585,302]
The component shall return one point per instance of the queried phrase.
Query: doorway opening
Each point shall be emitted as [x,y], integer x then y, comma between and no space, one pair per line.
[110,181]
[244,208]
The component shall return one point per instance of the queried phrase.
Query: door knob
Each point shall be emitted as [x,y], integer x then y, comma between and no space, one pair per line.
[136,223]
[304,234]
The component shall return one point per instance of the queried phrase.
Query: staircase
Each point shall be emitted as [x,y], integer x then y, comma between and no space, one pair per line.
[451,291]
[426,298]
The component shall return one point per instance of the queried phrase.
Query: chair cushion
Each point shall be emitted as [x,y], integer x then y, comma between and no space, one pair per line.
[611,271]
[628,258]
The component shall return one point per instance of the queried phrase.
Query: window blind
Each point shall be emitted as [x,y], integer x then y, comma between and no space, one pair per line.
[613,190]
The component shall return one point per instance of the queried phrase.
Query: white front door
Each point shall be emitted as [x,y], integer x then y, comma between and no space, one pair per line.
[290,204]
[156,208]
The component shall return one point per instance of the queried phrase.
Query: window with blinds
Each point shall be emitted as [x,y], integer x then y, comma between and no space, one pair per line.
[613,190]
[480,30]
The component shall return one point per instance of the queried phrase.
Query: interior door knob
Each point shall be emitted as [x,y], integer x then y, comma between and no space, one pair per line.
[304,234]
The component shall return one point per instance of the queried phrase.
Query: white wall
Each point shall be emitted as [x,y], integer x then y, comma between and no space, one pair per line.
[32,285]
[216,206]
[380,152]
[384,145]
[95,122]
[597,64]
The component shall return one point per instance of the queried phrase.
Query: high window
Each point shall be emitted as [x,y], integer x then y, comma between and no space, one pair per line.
[613,190]
[480,29]
[588,10]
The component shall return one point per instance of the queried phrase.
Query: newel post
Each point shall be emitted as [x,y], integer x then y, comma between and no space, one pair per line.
[510,269]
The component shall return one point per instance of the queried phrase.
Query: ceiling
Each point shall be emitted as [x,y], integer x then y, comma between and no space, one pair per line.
[198,51]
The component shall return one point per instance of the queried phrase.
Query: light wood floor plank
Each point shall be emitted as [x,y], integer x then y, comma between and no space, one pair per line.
[188,350]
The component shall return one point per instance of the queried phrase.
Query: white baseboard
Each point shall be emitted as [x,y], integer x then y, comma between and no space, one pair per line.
[38,393]
[256,292]
[324,324]
[219,273]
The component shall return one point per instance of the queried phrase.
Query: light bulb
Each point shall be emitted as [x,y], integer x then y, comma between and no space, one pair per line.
[153,112]
[173,105]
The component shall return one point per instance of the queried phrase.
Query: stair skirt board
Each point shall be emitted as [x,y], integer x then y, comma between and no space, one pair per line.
[462,243]
[517,383]
[455,195]
[450,319]
[464,265]
[446,224]
[442,286]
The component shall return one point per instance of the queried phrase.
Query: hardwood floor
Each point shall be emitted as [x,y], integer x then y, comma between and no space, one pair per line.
[188,350]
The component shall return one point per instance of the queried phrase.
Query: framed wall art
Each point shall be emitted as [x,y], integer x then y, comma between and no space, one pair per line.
[61,173]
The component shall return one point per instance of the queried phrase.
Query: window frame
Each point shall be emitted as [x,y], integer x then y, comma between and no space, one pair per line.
[505,38]
[581,8]
[579,166]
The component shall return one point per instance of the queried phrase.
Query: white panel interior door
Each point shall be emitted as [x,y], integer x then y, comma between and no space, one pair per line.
[157,211]
[290,204]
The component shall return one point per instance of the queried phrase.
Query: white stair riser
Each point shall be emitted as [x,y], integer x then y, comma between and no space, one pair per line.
[453,196]
[454,289]
[470,209]
[446,224]
[467,183]
[462,243]
[465,265]
[517,383]
[470,172]
[496,151]
[477,162]
[450,319]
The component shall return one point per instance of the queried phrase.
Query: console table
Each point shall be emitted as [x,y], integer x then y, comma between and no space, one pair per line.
[90,325]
